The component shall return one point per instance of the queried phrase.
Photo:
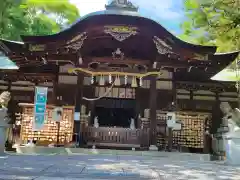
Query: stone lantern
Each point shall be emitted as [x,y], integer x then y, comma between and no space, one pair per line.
[4,120]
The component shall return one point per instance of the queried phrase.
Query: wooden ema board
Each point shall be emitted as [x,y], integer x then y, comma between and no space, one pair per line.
[161,130]
[192,133]
[49,133]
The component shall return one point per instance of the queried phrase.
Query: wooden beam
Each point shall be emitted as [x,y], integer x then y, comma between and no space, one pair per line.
[19,76]
[125,61]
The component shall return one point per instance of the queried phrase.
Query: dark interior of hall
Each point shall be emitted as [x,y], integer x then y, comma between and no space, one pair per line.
[114,117]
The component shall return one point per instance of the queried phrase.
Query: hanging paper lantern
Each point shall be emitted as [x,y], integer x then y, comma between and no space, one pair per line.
[117,81]
[110,78]
[125,79]
[140,81]
[102,81]
[92,79]
[134,82]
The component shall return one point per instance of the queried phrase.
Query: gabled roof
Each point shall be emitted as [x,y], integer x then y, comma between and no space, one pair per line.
[117,17]
[117,13]
[6,63]
[88,37]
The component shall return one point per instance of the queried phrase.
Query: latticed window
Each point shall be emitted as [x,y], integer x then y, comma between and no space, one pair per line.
[128,93]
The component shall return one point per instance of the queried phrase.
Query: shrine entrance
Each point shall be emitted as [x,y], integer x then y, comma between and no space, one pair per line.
[115,112]
[114,122]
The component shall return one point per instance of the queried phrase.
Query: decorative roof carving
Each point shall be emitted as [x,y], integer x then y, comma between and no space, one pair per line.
[120,33]
[162,46]
[121,5]
[37,47]
[77,38]
[200,57]
[118,54]
[77,42]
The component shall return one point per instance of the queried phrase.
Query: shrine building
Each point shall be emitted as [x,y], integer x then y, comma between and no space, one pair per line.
[117,75]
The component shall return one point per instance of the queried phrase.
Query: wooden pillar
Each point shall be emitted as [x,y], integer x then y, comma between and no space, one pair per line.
[92,104]
[174,90]
[138,107]
[92,109]
[55,102]
[79,101]
[54,92]
[191,94]
[9,86]
[79,92]
[217,96]
[58,132]
[214,124]
[238,94]
[153,109]
[174,103]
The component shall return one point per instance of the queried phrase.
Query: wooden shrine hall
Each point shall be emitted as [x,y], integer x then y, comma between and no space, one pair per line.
[122,73]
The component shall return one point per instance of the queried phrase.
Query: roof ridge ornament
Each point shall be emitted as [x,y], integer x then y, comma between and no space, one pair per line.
[120,33]
[121,5]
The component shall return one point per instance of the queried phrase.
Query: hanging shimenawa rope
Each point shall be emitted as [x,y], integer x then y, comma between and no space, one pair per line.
[139,75]
[100,97]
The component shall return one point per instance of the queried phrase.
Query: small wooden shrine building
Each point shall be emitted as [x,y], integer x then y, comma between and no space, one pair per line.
[121,66]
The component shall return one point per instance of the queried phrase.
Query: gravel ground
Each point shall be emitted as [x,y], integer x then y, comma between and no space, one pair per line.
[95,167]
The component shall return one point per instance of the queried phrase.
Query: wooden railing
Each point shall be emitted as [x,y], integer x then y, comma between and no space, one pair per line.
[116,137]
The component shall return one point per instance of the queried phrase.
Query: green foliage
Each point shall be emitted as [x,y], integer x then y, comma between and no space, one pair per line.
[213,22]
[35,17]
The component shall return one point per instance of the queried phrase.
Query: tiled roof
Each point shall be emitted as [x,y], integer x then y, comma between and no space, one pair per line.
[6,63]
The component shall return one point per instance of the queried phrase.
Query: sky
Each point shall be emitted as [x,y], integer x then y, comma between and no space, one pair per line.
[169,13]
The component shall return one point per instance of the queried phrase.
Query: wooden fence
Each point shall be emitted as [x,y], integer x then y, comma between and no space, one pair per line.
[116,137]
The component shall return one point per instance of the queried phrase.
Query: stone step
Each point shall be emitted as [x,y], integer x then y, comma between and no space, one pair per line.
[80,151]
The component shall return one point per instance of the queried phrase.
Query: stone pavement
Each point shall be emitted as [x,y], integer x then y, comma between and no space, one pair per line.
[96,167]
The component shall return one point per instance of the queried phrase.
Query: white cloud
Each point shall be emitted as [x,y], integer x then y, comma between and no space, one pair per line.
[157,9]
[152,8]
[89,6]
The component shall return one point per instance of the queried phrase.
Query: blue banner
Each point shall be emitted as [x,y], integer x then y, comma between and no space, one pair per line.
[40,107]
[39,121]
[41,98]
